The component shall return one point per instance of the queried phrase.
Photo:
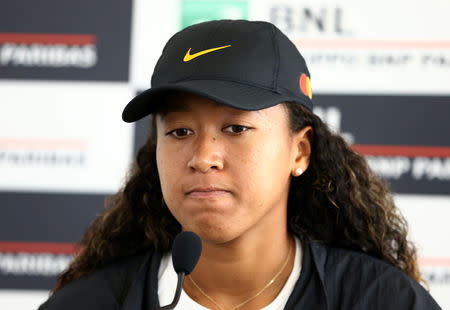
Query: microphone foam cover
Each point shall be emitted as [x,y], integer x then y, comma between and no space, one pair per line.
[186,250]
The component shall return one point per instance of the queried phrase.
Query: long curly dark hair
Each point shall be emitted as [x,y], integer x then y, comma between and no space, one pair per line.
[337,201]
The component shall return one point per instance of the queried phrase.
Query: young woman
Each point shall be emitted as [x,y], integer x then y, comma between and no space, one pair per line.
[289,216]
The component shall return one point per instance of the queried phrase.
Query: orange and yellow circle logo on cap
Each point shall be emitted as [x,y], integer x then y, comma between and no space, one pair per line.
[305,85]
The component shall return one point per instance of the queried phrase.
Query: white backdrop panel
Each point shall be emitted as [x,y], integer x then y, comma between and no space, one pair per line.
[63,137]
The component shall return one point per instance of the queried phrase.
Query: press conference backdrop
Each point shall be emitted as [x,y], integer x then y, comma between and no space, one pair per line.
[380,76]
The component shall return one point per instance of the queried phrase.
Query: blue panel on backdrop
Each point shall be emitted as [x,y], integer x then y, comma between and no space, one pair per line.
[65,40]
[38,233]
[405,138]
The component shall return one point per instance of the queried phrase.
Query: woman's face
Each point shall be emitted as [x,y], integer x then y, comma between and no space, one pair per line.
[225,172]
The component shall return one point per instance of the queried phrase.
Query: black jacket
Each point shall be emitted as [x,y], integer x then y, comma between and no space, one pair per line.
[331,278]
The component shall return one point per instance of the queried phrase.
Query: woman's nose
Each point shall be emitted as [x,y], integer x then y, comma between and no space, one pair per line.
[207,155]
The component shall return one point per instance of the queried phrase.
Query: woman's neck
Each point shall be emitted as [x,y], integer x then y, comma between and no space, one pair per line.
[234,272]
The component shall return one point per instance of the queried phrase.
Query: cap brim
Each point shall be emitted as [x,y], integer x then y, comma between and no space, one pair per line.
[236,95]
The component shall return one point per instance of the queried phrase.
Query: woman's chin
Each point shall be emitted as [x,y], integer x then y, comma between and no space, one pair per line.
[214,232]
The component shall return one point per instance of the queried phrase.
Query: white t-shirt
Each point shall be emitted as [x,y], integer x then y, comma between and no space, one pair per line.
[167,284]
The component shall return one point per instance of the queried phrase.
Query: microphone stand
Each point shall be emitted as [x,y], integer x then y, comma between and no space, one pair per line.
[176,298]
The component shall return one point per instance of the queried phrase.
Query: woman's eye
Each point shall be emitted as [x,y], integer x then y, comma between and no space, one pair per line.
[236,129]
[180,132]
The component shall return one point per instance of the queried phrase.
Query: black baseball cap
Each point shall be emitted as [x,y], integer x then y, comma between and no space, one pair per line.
[248,65]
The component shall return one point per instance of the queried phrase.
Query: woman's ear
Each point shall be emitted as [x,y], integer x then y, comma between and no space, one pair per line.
[302,150]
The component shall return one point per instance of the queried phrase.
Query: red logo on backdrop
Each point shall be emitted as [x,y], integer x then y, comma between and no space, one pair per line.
[48,50]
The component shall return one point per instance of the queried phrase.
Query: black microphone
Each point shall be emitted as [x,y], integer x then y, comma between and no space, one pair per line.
[186,250]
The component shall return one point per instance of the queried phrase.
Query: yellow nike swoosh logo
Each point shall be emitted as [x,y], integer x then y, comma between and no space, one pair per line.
[189,57]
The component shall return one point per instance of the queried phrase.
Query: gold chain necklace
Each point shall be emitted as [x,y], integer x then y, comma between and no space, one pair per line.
[251,298]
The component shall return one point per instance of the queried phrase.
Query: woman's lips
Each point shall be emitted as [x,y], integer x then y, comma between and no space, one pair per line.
[206,192]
